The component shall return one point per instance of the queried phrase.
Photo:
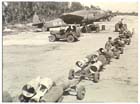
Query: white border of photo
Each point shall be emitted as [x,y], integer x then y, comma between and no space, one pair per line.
[83,1]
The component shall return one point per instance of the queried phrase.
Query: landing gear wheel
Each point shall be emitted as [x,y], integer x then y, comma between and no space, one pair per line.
[81,92]
[97,29]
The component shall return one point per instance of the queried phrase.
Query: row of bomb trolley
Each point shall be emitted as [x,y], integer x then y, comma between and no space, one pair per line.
[89,68]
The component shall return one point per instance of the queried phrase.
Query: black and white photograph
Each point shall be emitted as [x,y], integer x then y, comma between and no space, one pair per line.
[70,51]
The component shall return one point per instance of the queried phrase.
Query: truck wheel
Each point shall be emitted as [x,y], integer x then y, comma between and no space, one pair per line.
[75,39]
[88,30]
[71,74]
[70,38]
[81,92]
[52,38]
[96,77]
[84,29]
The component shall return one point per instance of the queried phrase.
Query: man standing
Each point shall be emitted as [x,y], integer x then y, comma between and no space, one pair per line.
[121,23]
[108,44]
[119,26]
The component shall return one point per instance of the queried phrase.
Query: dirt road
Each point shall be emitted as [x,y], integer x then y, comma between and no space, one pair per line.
[28,55]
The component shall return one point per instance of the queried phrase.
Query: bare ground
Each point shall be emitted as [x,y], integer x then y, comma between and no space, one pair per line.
[28,55]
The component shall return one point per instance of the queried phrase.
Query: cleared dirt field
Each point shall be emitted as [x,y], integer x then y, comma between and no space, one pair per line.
[28,55]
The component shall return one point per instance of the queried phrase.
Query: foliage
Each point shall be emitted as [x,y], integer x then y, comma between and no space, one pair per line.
[22,12]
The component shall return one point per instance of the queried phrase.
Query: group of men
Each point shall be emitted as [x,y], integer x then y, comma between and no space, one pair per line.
[71,29]
[121,26]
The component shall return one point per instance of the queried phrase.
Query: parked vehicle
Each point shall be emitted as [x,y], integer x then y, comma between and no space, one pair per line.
[90,27]
[69,33]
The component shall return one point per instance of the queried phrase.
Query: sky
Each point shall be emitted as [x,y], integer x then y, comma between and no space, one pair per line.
[114,6]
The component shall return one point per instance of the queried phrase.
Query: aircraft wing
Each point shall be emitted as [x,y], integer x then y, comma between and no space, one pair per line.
[87,16]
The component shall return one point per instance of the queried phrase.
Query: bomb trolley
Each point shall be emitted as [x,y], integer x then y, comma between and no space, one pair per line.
[86,71]
[48,91]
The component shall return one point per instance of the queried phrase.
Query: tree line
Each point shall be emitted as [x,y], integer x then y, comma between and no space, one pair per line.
[22,12]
